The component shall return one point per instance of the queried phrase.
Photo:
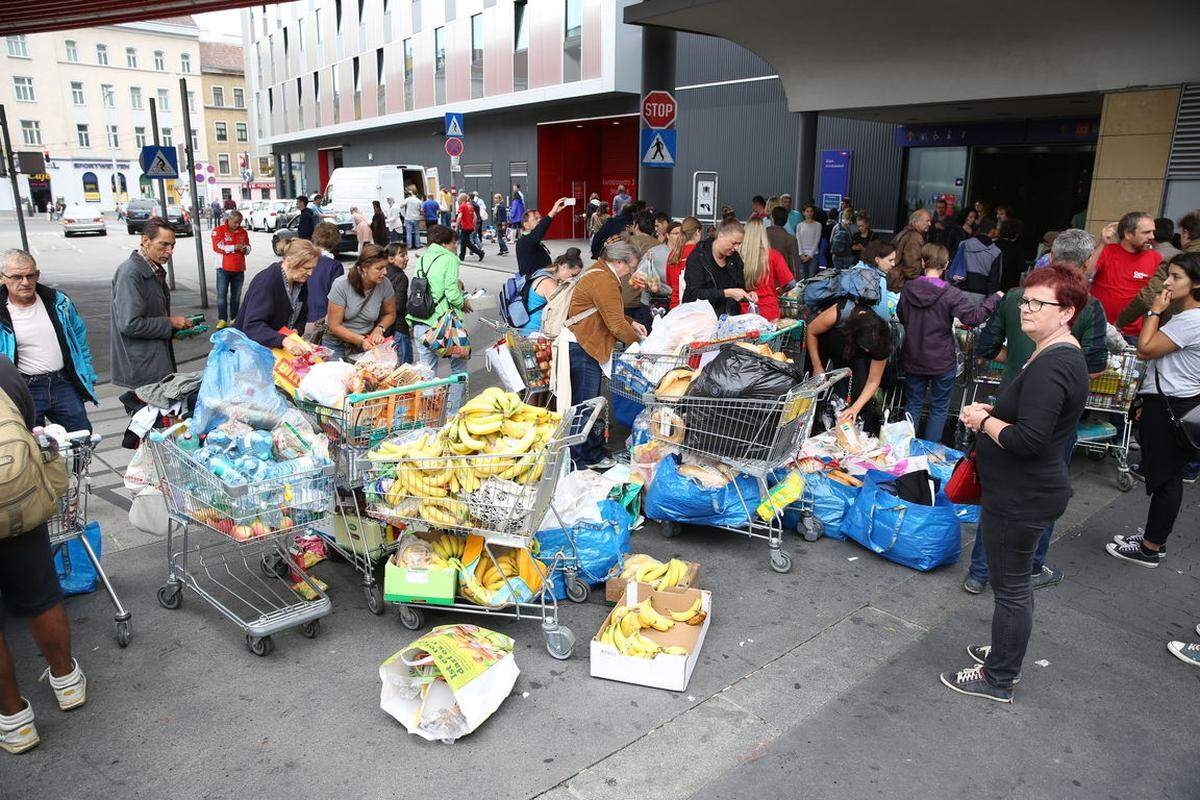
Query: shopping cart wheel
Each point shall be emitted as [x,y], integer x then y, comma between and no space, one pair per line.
[560,642]
[668,529]
[123,633]
[811,528]
[1095,454]
[577,589]
[311,629]
[170,596]
[374,595]
[260,645]
[781,561]
[412,618]
[1124,481]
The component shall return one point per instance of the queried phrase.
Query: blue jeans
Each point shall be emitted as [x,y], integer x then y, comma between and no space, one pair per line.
[229,293]
[941,387]
[979,568]
[412,233]
[585,384]
[395,236]
[55,400]
[426,356]
[404,347]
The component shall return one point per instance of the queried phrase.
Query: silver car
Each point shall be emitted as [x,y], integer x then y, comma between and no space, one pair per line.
[83,219]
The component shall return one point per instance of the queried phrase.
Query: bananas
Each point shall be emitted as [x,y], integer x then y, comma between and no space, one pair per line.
[675,572]
[447,550]
[684,616]
[651,618]
[645,569]
[624,631]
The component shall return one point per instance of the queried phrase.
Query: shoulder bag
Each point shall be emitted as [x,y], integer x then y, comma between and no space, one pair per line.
[1188,426]
[963,487]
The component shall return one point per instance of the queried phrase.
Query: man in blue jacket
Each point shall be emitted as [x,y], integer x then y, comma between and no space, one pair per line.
[42,332]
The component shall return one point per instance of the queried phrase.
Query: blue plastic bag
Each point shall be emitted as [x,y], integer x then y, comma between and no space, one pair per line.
[830,500]
[941,465]
[237,381]
[599,546]
[631,383]
[674,497]
[76,574]
[912,535]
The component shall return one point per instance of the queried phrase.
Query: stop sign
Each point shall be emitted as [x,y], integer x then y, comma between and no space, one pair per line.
[658,109]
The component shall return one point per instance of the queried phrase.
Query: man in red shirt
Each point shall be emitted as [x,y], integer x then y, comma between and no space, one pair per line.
[466,228]
[233,243]
[1121,267]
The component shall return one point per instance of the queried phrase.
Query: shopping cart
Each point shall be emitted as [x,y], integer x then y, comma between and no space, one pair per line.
[242,565]
[531,355]
[363,421]
[71,518]
[751,437]
[506,508]
[1112,392]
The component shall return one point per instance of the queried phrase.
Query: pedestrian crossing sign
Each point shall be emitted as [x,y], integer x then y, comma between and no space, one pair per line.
[159,162]
[658,148]
[454,124]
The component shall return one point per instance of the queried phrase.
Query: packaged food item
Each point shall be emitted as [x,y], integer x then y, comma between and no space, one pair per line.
[848,436]
[676,382]
[781,495]
[666,424]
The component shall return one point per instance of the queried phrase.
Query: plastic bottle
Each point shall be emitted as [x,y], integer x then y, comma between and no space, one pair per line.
[218,441]
[188,443]
[224,469]
[259,444]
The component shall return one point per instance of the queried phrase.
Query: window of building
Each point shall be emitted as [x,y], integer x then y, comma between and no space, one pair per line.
[439,65]
[299,103]
[91,187]
[160,61]
[316,84]
[222,130]
[168,140]
[239,97]
[271,52]
[286,44]
[243,135]
[23,89]
[102,55]
[108,95]
[82,136]
[114,137]
[131,57]
[477,56]
[139,137]
[449,10]
[300,34]
[223,163]
[218,96]
[31,131]
[317,26]
[264,166]
[337,95]
[572,40]
[72,51]
[408,74]
[357,88]
[77,93]
[164,100]
[195,136]
[520,46]
[18,46]
[191,96]
[337,15]
[185,62]
[380,83]
[135,97]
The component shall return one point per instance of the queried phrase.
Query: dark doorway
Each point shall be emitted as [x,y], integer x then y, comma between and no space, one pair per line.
[1044,185]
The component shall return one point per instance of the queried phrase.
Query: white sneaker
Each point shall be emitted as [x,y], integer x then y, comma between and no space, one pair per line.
[70,689]
[18,733]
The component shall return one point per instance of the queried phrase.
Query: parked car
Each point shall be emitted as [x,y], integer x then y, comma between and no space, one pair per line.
[83,219]
[345,225]
[137,212]
[272,216]
[252,208]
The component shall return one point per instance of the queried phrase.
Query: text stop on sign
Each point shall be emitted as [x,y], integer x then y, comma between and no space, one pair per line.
[658,109]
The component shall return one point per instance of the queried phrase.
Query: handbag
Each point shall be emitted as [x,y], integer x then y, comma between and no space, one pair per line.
[1189,425]
[449,337]
[963,488]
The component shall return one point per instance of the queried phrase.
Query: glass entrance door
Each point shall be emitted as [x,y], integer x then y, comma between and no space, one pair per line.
[934,172]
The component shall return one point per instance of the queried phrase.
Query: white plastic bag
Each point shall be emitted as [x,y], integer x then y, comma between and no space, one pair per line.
[148,512]
[500,361]
[898,436]
[742,324]
[683,324]
[326,383]
[141,472]
[577,498]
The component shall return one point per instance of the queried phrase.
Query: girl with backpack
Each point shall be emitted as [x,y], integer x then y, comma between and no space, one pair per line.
[543,285]
[436,276]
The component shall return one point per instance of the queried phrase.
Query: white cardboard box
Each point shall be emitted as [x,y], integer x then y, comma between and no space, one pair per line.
[663,671]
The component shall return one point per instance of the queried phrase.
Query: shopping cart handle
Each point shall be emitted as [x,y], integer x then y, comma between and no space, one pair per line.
[775,334]
[828,379]
[358,397]
[577,435]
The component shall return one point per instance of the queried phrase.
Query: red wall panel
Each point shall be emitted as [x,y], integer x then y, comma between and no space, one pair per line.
[545,42]
[597,153]
[346,86]
[498,50]
[423,69]
[393,61]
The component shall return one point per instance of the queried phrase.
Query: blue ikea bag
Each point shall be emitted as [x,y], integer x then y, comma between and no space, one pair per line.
[76,574]
[631,383]
[830,500]
[598,545]
[677,498]
[941,465]
[916,536]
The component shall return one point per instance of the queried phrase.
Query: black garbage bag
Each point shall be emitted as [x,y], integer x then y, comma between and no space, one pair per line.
[742,429]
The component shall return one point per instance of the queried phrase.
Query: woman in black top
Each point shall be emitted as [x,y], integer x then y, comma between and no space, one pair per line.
[1025,478]
[714,271]
[379,230]
[854,336]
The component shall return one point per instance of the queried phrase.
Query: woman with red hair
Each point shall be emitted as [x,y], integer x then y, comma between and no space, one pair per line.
[1025,479]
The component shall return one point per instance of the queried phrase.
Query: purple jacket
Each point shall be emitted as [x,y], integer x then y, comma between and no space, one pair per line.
[927,310]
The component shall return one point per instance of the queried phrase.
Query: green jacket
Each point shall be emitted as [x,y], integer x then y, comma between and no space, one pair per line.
[440,266]
[1004,330]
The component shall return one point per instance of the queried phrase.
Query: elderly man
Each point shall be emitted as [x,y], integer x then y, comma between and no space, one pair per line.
[42,332]
[232,242]
[908,249]
[142,324]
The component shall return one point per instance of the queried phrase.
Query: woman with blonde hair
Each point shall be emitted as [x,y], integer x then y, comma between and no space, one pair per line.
[764,271]
[689,236]
[277,298]
[772,202]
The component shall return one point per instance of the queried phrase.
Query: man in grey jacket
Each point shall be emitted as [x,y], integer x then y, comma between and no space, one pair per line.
[142,324]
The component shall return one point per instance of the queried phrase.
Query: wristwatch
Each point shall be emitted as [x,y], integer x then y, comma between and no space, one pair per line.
[1150,314]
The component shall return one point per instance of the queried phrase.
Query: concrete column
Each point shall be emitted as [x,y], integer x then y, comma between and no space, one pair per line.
[806,159]
[658,72]
[1132,152]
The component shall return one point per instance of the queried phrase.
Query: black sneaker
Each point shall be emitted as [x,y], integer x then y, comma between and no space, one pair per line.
[1191,472]
[979,654]
[1134,553]
[970,681]
[1137,539]
[1049,576]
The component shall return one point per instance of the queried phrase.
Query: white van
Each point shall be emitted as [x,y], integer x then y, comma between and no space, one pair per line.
[358,186]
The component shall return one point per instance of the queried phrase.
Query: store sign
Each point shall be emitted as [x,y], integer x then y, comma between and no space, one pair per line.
[835,177]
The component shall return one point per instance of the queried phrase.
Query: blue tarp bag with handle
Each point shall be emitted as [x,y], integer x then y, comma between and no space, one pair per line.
[910,534]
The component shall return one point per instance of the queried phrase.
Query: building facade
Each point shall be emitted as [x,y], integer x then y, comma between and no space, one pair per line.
[82,98]
[233,170]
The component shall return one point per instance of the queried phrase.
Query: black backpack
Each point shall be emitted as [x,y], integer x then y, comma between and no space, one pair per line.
[421,304]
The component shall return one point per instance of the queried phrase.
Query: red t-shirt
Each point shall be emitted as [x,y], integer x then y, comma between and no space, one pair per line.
[466,216]
[675,270]
[1120,275]
[778,274]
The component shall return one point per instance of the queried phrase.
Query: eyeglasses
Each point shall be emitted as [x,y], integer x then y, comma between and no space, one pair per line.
[29,276]
[1035,305]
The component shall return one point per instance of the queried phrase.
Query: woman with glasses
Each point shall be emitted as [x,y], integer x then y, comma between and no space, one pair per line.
[278,298]
[1024,476]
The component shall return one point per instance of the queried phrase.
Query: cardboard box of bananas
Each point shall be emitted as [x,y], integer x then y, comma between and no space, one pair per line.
[430,476]
[674,574]
[493,575]
[652,638]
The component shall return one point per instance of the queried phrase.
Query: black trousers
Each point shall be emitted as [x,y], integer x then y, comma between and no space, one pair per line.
[465,243]
[1164,456]
[1010,546]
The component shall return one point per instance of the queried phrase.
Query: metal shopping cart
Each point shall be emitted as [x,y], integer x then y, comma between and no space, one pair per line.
[752,437]
[361,422]
[1112,392]
[71,518]
[509,497]
[531,355]
[242,564]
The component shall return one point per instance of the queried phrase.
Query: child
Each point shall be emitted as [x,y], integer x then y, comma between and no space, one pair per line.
[397,262]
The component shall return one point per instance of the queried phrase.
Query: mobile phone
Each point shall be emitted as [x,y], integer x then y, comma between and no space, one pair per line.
[569,201]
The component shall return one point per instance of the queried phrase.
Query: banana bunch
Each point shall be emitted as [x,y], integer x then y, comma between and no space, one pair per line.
[490,575]
[448,550]
[691,616]
[624,631]
[645,569]
[444,513]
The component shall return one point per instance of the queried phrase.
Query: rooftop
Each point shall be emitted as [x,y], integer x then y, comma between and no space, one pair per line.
[219,57]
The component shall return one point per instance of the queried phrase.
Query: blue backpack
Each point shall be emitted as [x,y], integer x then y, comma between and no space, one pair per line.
[828,287]
[514,298]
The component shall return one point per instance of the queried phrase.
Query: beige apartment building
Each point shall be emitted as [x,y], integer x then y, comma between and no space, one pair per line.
[232,171]
[82,97]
